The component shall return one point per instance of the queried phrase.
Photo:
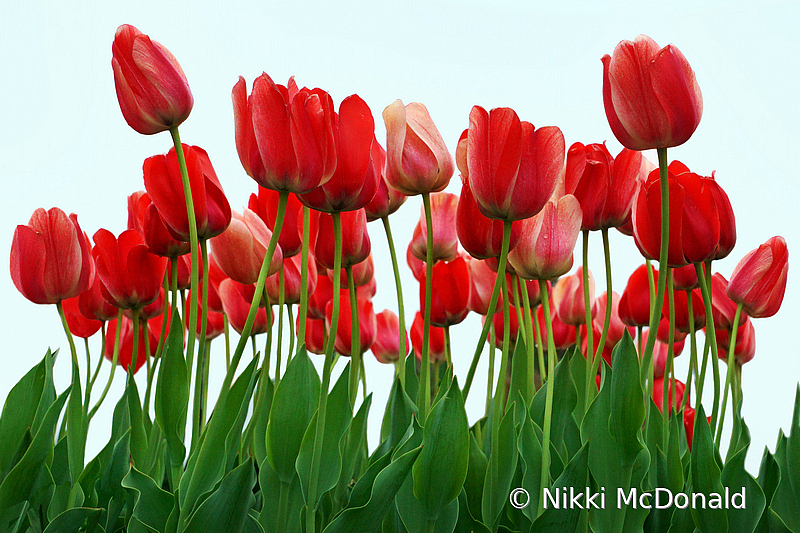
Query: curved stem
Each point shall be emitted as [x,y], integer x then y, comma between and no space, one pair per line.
[114,359]
[587,304]
[303,312]
[355,337]
[192,220]
[730,375]
[424,399]
[135,351]
[400,307]
[501,274]
[548,406]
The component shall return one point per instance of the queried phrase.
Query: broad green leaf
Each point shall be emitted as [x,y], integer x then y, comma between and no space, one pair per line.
[786,500]
[706,476]
[271,488]
[293,406]
[502,465]
[367,518]
[151,505]
[172,394]
[519,371]
[575,474]
[138,432]
[627,399]
[412,375]
[467,523]
[476,477]
[350,448]
[530,452]
[111,494]
[76,425]
[226,509]
[441,468]
[736,479]
[397,417]
[71,520]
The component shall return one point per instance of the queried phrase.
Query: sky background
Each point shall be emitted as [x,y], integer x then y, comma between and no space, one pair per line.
[64,143]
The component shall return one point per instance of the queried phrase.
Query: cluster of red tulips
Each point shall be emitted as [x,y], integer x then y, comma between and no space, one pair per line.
[503,248]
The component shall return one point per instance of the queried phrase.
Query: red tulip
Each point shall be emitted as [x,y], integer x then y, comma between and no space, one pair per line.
[564,335]
[745,343]
[215,277]
[236,300]
[239,251]
[132,276]
[568,300]
[674,394]
[344,330]
[79,324]
[498,321]
[534,296]
[758,282]
[319,298]
[634,304]
[682,310]
[356,245]
[162,179]
[355,180]
[387,199]
[547,240]
[215,323]
[265,205]
[651,97]
[151,310]
[616,328]
[51,257]
[315,335]
[184,272]
[93,305]
[481,279]
[125,356]
[291,281]
[436,346]
[363,273]
[417,267]
[417,159]
[443,218]
[684,278]
[513,169]
[694,232]
[661,352]
[450,288]
[143,216]
[284,136]
[723,309]
[152,90]
[481,237]
[386,347]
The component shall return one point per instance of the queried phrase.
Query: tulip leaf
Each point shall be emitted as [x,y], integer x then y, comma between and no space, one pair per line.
[226,508]
[786,500]
[399,410]
[71,520]
[294,404]
[529,444]
[500,472]
[706,476]
[575,474]
[172,394]
[476,477]
[151,506]
[76,425]
[271,487]
[351,448]
[736,479]
[138,432]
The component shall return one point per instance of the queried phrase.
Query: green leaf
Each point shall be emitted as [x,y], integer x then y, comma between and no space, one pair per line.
[350,448]
[786,500]
[76,425]
[367,518]
[706,476]
[293,407]
[399,410]
[19,413]
[271,488]
[138,432]
[575,474]
[151,505]
[21,481]
[476,477]
[226,508]
[441,468]
[530,452]
[71,520]
[735,478]
[172,394]
[412,375]
[337,418]
[627,399]
[502,465]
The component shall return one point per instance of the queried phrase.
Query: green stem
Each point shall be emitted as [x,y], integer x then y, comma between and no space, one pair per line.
[693,355]
[504,379]
[114,359]
[316,456]
[540,350]
[303,312]
[279,346]
[424,396]
[548,406]
[400,307]
[587,313]
[711,337]
[666,383]
[227,342]
[150,367]
[291,334]
[88,392]
[448,354]
[135,352]
[490,381]
[99,359]
[729,375]
[200,385]
[607,319]
[501,274]
[529,340]
[192,220]
[355,337]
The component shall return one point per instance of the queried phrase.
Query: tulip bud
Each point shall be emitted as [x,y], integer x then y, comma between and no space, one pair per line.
[758,282]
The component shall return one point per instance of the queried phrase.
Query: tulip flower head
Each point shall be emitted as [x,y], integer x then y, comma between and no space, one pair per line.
[759,281]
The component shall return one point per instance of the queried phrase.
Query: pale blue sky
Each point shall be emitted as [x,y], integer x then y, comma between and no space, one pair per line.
[64,142]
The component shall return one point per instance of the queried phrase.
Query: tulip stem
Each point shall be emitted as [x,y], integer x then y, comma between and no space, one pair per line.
[693,354]
[316,456]
[135,352]
[548,406]
[501,273]
[227,342]
[504,379]
[655,312]
[192,220]
[200,385]
[730,375]
[711,341]
[150,368]
[424,396]
[279,344]
[609,302]
[88,390]
[291,334]
[587,313]
[447,350]
[99,361]
[355,337]
[400,307]
[529,340]
[114,359]
[492,355]
[667,384]
[537,331]
[303,312]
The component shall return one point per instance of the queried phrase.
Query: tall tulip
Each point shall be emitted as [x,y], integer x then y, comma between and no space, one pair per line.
[240,249]
[634,304]
[152,90]
[480,235]
[758,282]
[450,292]
[568,298]
[386,347]
[356,245]
[443,219]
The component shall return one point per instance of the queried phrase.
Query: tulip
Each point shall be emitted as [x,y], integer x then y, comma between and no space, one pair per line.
[564,335]
[685,278]
[616,327]
[151,310]
[568,300]
[344,331]
[417,159]
[215,277]
[480,236]
[745,348]
[682,310]
[634,304]
[144,217]
[363,273]
[723,309]
[215,323]
[162,179]
[513,168]
[355,180]
[284,136]
[758,282]
[436,339]
[79,324]
[651,97]
[291,282]
[236,300]
[239,250]
[315,335]
[125,356]
[661,352]
[51,257]
[356,245]
[184,268]
[93,305]
[547,240]
[319,297]
[132,276]
[265,205]
[417,266]
[386,347]
[387,199]
[443,219]
[673,400]
[532,285]
[152,90]
[481,279]
[450,292]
